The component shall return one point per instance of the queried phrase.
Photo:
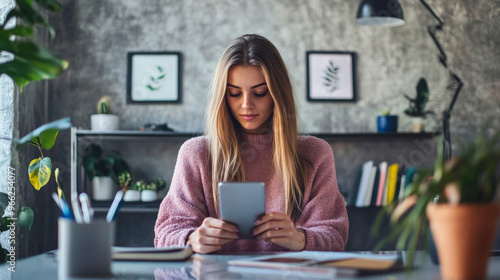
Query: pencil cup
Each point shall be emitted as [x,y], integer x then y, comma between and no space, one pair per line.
[85,249]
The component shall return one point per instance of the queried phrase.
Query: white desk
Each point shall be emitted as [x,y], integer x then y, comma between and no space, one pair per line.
[44,266]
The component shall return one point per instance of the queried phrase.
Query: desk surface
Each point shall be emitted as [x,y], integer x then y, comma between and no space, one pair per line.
[44,266]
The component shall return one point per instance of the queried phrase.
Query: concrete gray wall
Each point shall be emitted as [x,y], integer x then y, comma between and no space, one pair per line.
[95,36]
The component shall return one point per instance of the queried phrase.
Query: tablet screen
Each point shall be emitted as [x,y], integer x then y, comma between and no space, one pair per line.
[242,203]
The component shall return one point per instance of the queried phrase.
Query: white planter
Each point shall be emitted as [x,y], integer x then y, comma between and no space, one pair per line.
[103,188]
[132,195]
[417,124]
[103,122]
[149,195]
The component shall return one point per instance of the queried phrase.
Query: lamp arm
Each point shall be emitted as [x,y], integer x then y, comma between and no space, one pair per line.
[440,25]
[458,82]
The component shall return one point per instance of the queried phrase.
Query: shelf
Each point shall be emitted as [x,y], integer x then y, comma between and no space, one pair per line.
[131,134]
[128,206]
[121,134]
[375,135]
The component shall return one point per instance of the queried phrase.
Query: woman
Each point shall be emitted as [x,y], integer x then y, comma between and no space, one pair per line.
[251,135]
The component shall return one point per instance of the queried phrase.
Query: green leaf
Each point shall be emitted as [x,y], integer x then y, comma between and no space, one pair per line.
[25,217]
[22,31]
[4,202]
[4,226]
[59,124]
[30,15]
[56,175]
[30,63]
[39,172]
[47,138]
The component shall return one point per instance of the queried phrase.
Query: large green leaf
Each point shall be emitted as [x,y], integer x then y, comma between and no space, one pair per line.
[47,138]
[39,171]
[25,217]
[32,62]
[64,123]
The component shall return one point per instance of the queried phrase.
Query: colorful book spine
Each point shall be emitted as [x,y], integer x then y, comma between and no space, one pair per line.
[392,179]
[381,184]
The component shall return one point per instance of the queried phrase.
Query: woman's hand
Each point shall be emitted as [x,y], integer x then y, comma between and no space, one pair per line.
[279,229]
[211,235]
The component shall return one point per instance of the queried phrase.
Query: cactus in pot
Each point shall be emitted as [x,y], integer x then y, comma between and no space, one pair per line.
[104,120]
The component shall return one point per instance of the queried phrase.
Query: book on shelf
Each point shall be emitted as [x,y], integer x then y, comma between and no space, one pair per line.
[369,189]
[373,200]
[381,185]
[392,179]
[352,196]
[363,184]
[172,253]
[317,264]
[402,187]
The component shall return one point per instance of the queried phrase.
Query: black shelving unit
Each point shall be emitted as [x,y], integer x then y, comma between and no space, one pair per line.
[78,135]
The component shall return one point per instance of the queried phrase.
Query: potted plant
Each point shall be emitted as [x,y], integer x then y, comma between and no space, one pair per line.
[104,120]
[134,192]
[104,171]
[417,106]
[387,122]
[459,200]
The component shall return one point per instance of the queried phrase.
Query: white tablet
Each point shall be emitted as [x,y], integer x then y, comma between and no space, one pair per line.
[242,203]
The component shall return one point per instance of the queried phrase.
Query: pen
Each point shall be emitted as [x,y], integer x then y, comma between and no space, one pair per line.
[66,213]
[115,206]
[87,210]
[76,208]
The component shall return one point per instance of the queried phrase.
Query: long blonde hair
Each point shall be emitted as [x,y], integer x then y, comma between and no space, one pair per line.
[223,132]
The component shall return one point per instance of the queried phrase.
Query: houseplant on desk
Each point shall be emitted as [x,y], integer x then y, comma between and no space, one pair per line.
[417,106]
[104,171]
[459,200]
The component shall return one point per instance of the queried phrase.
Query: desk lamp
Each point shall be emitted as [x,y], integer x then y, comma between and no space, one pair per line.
[390,13]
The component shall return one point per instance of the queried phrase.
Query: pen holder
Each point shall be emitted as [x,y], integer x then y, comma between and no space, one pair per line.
[85,249]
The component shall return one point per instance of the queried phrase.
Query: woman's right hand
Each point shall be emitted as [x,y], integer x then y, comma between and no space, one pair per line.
[211,235]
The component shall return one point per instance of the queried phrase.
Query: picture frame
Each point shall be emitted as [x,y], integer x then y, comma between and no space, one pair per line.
[331,76]
[154,77]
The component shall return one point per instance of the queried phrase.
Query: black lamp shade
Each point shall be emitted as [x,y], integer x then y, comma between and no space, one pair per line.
[380,13]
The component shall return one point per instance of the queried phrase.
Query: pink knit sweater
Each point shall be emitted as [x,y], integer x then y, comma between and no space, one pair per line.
[189,200]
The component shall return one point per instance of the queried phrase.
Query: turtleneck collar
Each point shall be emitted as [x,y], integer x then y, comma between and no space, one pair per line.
[258,139]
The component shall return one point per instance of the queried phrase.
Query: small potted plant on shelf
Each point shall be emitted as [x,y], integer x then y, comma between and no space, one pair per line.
[140,190]
[459,201]
[134,192]
[104,119]
[103,170]
[387,122]
[417,106]
[150,193]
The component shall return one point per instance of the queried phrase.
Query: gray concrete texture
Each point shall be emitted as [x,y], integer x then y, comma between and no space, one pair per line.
[95,37]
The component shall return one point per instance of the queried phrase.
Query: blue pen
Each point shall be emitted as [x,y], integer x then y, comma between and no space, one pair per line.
[115,206]
[66,213]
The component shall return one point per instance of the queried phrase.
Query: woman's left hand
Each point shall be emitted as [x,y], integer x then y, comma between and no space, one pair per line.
[279,229]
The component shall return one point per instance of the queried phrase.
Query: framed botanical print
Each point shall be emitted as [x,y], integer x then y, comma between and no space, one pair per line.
[331,76]
[154,77]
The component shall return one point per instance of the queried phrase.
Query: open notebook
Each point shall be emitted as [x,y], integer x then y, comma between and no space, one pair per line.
[317,264]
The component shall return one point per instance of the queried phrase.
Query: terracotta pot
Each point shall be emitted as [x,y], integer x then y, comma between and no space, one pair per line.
[464,235]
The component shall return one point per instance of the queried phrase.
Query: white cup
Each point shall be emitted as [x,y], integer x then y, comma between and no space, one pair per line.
[85,249]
